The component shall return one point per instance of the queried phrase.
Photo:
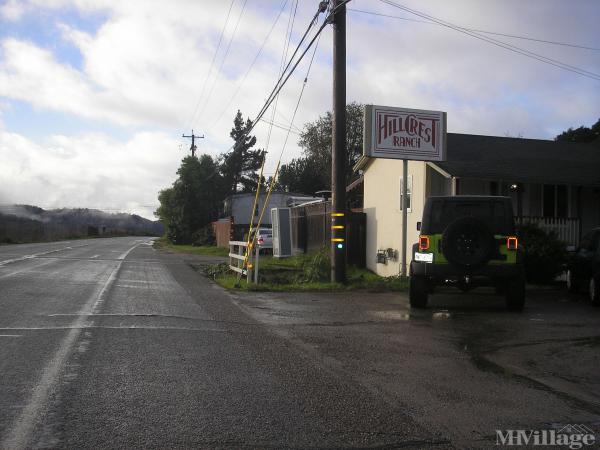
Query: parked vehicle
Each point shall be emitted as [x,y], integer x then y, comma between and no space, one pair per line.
[467,241]
[583,269]
[264,239]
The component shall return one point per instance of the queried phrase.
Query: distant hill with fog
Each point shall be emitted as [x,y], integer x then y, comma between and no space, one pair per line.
[26,223]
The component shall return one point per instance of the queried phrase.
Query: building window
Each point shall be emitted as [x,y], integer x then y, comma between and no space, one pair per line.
[555,200]
[409,194]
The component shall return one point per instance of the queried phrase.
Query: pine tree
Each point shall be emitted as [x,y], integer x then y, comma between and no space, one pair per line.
[239,166]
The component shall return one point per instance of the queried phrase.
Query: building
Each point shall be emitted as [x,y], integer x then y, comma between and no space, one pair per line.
[237,211]
[239,206]
[554,184]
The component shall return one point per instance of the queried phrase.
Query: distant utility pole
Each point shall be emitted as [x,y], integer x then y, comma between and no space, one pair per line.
[338,146]
[193,136]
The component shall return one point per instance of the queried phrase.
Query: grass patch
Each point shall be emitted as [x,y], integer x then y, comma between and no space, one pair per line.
[303,273]
[191,249]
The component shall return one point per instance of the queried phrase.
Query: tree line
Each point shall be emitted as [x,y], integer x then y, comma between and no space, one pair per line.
[194,200]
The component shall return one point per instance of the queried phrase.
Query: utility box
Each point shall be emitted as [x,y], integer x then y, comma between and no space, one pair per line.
[281,220]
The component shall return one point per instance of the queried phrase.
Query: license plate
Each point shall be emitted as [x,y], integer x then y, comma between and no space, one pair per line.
[424,257]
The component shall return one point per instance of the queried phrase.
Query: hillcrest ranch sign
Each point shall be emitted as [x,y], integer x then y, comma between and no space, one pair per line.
[400,133]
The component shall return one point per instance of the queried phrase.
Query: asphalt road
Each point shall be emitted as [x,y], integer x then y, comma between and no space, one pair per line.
[108,343]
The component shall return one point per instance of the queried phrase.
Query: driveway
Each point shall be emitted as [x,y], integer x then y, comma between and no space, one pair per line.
[463,368]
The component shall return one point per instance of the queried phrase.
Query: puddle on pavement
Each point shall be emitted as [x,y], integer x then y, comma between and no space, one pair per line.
[391,315]
[441,315]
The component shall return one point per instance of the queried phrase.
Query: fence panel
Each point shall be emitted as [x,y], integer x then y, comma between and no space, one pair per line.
[567,229]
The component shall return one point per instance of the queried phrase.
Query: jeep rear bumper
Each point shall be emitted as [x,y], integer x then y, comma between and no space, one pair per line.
[493,271]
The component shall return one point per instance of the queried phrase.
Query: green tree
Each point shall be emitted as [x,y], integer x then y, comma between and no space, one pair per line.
[240,165]
[581,134]
[312,171]
[193,200]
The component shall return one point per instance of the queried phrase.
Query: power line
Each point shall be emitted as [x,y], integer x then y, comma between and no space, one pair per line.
[223,60]
[220,116]
[289,127]
[282,81]
[211,64]
[476,30]
[286,47]
[300,97]
[498,43]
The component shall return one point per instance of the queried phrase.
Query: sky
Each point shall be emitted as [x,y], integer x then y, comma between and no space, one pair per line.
[96,94]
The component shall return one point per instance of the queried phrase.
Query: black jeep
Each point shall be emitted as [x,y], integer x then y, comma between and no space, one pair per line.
[467,241]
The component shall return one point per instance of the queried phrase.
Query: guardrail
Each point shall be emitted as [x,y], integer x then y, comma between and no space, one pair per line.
[237,252]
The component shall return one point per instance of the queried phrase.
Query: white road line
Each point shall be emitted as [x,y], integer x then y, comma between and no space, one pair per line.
[20,435]
[95,256]
[25,269]
[11,335]
[25,257]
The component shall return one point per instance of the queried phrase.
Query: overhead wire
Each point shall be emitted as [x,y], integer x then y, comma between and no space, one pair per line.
[223,60]
[498,43]
[274,177]
[477,30]
[241,83]
[283,58]
[293,129]
[287,74]
[211,64]
[252,239]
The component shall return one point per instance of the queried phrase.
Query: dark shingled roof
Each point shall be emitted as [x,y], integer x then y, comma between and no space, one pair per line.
[522,160]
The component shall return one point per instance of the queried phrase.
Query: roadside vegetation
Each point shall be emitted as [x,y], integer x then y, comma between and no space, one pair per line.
[309,272]
[207,250]
[544,254]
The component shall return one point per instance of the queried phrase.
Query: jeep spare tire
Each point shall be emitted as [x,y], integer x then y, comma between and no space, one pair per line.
[467,242]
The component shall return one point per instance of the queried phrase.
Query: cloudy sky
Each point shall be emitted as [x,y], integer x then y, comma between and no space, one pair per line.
[95,94]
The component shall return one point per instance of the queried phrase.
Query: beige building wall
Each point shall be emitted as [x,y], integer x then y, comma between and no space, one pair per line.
[384,218]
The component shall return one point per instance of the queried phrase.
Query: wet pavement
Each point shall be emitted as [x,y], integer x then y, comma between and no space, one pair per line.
[465,367]
[108,343]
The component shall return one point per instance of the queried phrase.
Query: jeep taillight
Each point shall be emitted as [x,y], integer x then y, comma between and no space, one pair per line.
[423,243]
[512,243]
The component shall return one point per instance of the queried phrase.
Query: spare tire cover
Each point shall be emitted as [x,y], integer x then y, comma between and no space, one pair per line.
[467,242]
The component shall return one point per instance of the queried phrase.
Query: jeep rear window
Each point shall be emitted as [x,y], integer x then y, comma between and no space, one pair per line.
[494,214]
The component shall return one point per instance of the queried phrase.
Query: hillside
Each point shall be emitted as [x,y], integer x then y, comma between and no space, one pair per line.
[26,223]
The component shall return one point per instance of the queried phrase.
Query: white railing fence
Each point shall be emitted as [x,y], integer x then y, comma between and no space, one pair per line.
[567,229]
[237,252]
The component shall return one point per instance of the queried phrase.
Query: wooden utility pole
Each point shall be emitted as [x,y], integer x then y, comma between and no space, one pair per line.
[338,146]
[193,136]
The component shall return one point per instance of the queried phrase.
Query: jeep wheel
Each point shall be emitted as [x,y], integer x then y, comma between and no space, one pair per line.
[515,294]
[595,291]
[467,242]
[572,285]
[418,291]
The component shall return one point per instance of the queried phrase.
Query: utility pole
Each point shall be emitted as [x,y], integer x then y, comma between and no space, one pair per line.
[193,136]
[338,146]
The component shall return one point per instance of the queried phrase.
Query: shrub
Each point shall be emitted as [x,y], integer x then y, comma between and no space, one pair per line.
[214,271]
[204,237]
[318,268]
[544,255]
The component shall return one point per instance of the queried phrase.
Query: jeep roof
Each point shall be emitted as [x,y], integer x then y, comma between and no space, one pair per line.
[495,211]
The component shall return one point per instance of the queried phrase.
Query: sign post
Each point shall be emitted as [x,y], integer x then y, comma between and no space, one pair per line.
[406,134]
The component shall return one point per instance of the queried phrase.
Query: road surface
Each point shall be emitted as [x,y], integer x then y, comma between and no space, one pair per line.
[108,343]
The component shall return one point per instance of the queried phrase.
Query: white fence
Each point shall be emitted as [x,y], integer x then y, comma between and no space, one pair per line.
[567,229]
[237,252]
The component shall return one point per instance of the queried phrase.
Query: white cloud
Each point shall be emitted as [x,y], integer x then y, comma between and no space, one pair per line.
[12,10]
[91,170]
[144,67]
